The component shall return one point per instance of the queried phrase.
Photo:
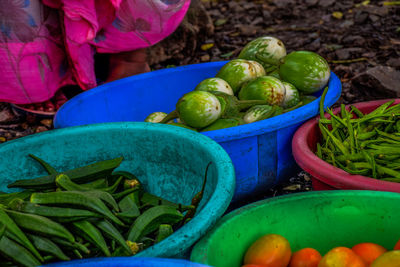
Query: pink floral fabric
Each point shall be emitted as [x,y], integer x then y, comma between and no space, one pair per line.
[47,44]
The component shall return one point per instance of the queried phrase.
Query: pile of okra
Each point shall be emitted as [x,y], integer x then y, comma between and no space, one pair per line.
[363,144]
[90,211]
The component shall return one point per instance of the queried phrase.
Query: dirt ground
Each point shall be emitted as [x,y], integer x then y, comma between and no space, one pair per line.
[360,40]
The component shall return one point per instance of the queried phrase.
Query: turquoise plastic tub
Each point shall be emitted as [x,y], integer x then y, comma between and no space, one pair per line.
[169,161]
[128,262]
[260,151]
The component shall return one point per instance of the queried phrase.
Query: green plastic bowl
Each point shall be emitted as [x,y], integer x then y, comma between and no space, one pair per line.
[169,161]
[321,220]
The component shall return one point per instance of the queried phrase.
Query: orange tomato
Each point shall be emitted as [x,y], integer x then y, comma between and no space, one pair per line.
[397,246]
[252,265]
[388,259]
[306,257]
[270,250]
[368,252]
[341,257]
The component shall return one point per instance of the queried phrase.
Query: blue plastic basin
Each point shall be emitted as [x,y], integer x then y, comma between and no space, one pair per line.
[128,262]
[260,151]
[169,161]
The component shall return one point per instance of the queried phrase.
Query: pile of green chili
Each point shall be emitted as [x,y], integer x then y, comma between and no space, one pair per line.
[363,144]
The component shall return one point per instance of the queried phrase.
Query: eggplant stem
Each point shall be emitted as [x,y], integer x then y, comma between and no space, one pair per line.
[173,115]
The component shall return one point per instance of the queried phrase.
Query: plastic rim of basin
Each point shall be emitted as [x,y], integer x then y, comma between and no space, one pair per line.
[66,116]
[325,175]
[74,146]
[128,262]
[321,220]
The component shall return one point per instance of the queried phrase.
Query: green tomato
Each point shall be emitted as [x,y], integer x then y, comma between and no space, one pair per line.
[198,109]
[156,117]
[307,71]
[222,124]
[266,50]
[266,88]
[216,85]
[238,71]
[292,96]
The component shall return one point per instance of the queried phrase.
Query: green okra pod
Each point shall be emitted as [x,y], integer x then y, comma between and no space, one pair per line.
[65,183]
[151,219]
[55,213]
[47,246]
[46,166]
[71,245]
[120,195]
[129,208]
[76,198]
[40,225]
[111,189]
[164,231]
[96,184]
[92,234]
[109,230]
[18,254]
[12,227]
[84,174]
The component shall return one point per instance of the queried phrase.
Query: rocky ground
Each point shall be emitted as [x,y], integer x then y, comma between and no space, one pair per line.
[360,40]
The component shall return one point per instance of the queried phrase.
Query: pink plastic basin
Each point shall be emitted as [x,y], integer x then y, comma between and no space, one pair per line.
[325,176]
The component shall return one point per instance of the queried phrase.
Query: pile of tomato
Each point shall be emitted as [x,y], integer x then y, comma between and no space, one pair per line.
[273,250]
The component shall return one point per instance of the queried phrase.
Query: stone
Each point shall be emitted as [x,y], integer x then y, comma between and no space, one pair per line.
[283,3]
[205,58]
[311,2]
[47,122]
[326,3]
[393,62]
[40,129]
[6,116]
[380,81]
[249,30]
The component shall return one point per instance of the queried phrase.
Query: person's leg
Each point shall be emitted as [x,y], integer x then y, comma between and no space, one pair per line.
[126,64]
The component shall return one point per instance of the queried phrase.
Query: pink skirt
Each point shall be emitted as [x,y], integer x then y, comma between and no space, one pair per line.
[47,44]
